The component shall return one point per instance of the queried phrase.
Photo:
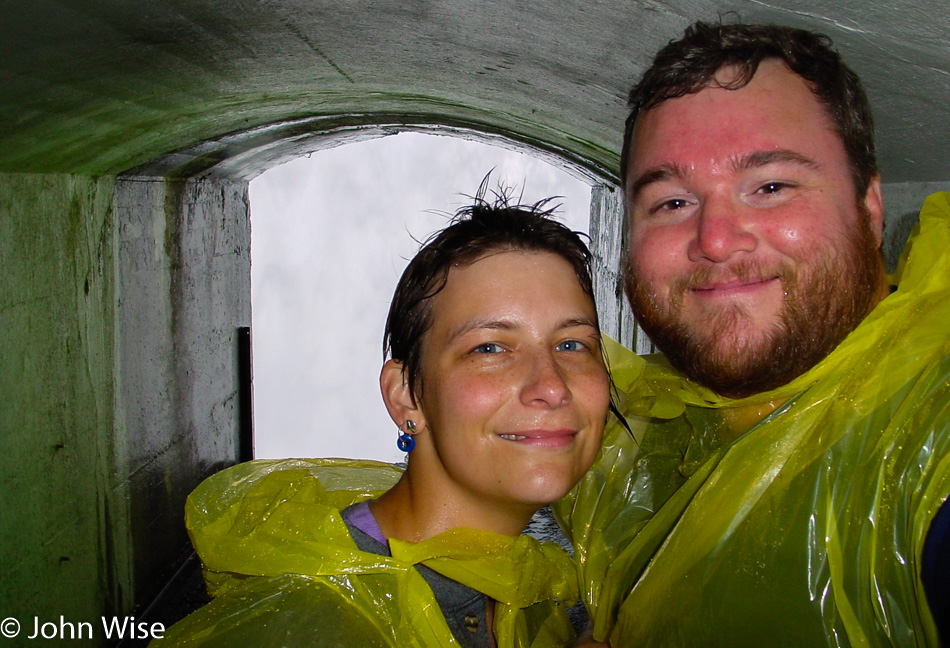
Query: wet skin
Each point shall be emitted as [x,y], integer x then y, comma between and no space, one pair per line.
[741,204]
[513,400]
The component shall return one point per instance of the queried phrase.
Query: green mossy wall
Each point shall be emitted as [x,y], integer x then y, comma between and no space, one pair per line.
[120,307]
[63,508]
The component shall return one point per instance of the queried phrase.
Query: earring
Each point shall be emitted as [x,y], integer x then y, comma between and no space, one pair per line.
[405,442]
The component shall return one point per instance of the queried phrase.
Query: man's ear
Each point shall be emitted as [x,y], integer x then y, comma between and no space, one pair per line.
[398,396]
[875,208]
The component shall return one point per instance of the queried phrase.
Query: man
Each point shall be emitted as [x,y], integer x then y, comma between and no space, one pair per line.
[786,484]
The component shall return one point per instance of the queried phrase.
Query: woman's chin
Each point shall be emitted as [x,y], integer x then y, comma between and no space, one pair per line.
[544,491]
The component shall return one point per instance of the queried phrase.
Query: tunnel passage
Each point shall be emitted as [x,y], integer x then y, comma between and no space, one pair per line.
[152,292]
[128,135]
[180,332]
[130,358]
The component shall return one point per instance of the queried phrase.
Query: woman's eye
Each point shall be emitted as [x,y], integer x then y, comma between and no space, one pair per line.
[570,345]
[488,347]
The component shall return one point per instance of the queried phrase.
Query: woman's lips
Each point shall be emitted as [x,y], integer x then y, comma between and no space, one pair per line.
[541,438]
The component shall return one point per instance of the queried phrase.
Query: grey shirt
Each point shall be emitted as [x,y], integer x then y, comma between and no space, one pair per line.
[464,608]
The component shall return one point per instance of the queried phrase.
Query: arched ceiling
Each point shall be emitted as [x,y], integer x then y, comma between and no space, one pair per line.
[98,87]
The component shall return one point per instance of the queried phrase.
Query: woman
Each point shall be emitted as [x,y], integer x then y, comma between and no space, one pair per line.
[498,386]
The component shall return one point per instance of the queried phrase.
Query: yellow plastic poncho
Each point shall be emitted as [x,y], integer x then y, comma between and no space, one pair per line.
[284,571]
[804,528]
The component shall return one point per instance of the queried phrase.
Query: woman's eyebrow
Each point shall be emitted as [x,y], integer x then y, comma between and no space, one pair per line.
[508,325]
[577,321]
[482,324]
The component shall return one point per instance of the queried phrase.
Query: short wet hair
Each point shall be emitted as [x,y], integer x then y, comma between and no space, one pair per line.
[475,231]
[690,64]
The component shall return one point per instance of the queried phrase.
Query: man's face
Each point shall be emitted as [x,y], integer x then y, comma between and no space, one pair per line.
[751,258]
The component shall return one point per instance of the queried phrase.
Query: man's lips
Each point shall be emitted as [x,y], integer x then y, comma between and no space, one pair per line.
[732,287]
[541,438]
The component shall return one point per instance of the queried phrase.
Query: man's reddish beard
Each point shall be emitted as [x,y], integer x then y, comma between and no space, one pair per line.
[822,306]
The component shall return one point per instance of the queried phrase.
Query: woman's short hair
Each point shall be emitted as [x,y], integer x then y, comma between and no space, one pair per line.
[475,231]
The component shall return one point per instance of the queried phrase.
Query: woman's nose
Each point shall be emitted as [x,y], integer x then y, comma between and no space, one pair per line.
[545,382]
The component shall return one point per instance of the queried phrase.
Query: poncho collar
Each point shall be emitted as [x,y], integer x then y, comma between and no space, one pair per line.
[272,518]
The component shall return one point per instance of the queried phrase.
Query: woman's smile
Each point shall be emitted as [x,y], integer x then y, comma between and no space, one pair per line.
[542,438]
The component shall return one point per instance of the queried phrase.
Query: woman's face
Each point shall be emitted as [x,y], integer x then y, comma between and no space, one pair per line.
[514,387]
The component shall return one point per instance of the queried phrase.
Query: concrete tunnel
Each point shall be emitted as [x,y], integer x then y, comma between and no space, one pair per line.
[129,133]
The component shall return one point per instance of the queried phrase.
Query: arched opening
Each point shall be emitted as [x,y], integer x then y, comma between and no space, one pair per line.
[183,277]
[331,233]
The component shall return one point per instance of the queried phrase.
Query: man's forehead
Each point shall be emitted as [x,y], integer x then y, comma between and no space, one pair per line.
[722,121]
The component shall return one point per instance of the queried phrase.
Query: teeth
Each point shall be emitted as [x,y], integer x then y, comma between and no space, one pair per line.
[512,437]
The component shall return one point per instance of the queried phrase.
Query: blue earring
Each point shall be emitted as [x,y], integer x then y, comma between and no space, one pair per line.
[405,442]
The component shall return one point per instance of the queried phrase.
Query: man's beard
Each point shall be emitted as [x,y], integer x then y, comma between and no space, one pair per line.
[823,304]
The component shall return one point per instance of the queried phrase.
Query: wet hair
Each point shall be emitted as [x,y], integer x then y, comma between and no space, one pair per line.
[475,231]
[690,64]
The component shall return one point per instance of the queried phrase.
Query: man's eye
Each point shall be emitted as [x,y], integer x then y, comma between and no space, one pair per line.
[570,345]
[488,347]
[771,187]
[672,205]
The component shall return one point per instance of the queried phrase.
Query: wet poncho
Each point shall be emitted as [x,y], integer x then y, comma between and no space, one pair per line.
[803,528]
[284,571]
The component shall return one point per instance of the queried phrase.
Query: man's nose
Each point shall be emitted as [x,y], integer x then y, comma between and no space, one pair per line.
[721,231]
[545,383]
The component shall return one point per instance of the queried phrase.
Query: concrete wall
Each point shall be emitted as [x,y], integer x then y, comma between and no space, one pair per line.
[183,292]
[63,506]
[607,239]
[120,306]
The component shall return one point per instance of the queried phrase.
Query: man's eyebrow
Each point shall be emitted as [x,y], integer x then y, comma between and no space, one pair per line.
[763,158]
[658,174]
[749,161]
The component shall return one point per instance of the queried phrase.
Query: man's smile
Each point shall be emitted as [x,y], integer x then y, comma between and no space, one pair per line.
[735,287]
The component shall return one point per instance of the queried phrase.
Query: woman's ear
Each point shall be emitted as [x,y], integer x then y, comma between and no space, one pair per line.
[398,396]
